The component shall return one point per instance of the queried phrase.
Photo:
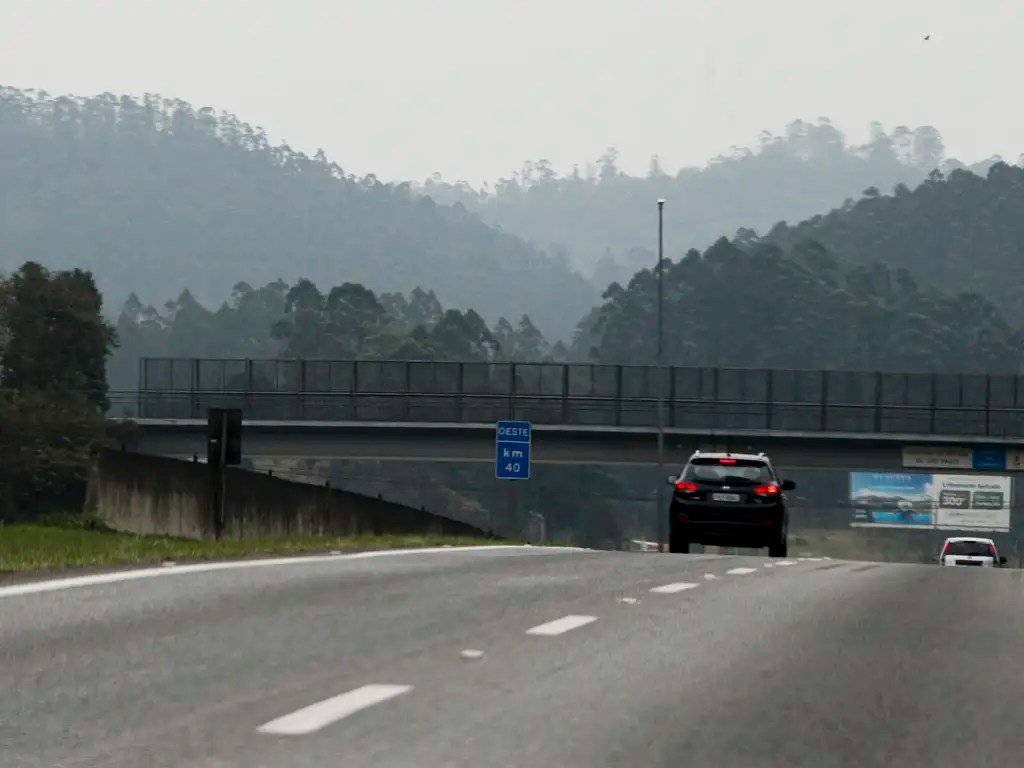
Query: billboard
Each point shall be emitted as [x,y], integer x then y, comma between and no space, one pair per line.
[922,500]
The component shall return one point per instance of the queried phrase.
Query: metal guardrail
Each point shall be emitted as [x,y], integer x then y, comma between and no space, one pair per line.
[697,398]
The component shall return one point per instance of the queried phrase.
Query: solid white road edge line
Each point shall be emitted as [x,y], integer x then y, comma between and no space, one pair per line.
[559,626]
[323,713]
[740,571]
[52,585]
[670,589]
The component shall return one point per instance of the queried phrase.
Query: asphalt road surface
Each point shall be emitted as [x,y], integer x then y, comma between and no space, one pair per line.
[516,657]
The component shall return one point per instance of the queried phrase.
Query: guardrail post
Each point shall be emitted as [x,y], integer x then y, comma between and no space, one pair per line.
[460,388]
[988,403]
[143,380]
[769,398]
[565,393]
[671,395]
[193,387]
[931,412]
[247,400]
[878,401]
[355,390]
[824,401]
[714,398]
[407,410]
[302,389]
[618,396]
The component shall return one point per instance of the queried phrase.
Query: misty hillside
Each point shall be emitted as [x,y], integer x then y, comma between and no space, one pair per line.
[605,219]
[960,233]
[153,195]
[798,307]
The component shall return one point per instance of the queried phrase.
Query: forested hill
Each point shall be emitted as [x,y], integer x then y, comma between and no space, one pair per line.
[798,308]
[960,233]
[604,217]
[151,195]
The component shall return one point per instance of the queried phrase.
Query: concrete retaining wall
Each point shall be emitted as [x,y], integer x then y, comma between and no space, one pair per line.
[155,495]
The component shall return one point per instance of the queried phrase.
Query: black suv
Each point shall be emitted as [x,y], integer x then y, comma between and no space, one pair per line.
[729,499]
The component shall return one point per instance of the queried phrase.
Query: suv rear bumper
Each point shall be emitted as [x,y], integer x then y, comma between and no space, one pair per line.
[734,524]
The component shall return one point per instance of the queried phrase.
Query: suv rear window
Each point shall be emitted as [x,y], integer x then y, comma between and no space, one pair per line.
[968,548]
[734,472]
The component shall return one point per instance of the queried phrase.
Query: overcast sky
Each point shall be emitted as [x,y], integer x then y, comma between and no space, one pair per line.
[470,88]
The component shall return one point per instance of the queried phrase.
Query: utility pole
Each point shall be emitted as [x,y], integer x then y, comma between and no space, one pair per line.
[661,381]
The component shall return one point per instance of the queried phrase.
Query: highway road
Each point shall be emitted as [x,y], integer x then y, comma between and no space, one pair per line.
[515,657]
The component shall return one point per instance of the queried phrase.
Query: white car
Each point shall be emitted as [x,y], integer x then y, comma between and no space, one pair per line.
[968,550]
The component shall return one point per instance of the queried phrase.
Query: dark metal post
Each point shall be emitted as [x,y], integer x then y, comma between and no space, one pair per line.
[878,401]
[824,401]
[193,387]
[141,385]
[460,386]
[565,393]
[219,530]
[660,380]
[355,390]
[988,404]
[618,396]
[931,411]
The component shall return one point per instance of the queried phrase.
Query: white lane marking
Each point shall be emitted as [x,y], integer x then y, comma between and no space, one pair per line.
[785,562]
[52,585]
[769,565]
[471,654]
[323,713]
[671,589]
[814,559]
[710,576]
[740,571]
[558,626]
[628,600]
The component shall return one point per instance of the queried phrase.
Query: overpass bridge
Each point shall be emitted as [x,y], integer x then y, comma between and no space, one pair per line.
[600,414]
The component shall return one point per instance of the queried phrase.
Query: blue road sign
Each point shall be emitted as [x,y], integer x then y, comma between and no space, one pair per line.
[512,450]
[992,457]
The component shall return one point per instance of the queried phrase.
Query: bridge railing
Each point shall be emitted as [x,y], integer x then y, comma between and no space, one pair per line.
[607,395]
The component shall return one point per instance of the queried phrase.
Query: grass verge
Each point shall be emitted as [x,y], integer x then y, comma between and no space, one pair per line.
[55,547]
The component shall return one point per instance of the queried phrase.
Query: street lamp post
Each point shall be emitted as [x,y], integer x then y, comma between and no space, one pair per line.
[661,383]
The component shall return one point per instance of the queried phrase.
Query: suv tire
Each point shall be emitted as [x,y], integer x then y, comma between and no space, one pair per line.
[778,546]
[677,543]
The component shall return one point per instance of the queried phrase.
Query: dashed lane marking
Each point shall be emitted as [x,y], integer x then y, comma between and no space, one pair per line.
[562,625]
[323,713]
[740,571]
[671,589]
[785,562]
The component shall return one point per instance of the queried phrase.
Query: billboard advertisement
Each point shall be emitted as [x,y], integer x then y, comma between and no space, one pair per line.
[924,500]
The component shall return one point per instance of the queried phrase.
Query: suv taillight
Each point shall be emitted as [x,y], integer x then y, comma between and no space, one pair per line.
[992,550]
[768,490]
[684,487]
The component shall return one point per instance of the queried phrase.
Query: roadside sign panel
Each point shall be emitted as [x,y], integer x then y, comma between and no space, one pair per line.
[930,501]
[991,457]
[937,457]
[512,450]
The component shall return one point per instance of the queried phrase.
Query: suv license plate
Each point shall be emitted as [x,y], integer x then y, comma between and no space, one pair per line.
[725,497]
